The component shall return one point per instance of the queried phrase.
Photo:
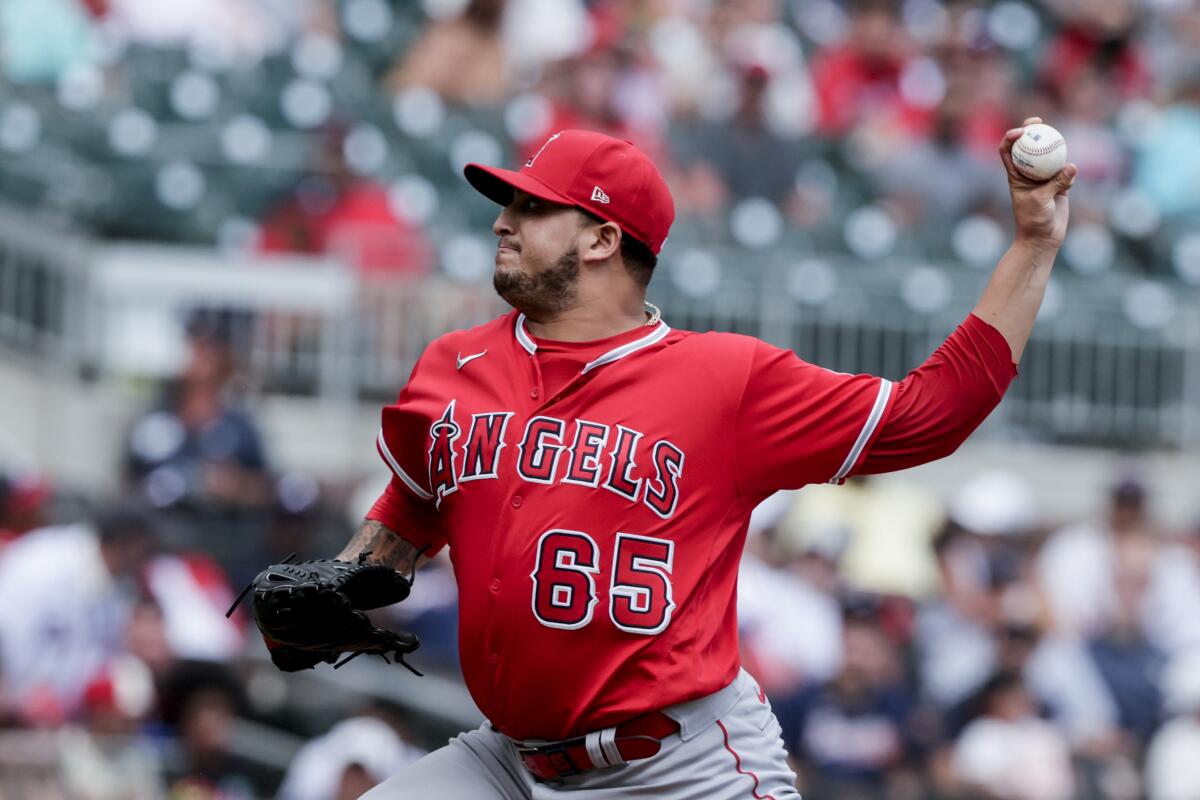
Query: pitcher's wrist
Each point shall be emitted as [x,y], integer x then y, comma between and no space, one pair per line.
[1039,248]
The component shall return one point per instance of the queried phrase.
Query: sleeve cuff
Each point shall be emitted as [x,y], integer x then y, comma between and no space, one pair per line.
[992,343]
[393,509]
[876,420]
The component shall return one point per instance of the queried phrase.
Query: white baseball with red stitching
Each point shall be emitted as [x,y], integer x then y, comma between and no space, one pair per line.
[1040,152]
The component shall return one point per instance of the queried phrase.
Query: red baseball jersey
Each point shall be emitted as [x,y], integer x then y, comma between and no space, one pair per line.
[595,498]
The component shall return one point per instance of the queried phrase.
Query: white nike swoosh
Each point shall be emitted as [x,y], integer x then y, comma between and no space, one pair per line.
[462,362]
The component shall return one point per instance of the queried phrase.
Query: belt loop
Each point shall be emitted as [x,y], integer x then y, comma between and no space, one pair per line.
[594,750]
[608,743]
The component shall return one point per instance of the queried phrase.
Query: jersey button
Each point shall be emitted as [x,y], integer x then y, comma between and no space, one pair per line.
[533,393]
[495,584]
[494,658]
[516,501]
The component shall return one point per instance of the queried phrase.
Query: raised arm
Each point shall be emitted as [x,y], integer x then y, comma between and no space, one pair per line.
[941,402]
[1014,294]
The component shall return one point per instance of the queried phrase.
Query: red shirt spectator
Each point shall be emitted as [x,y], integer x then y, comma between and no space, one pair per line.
[337,212]
[582,95]
[24,502]
[861,76]
[354,222]
[1077,49]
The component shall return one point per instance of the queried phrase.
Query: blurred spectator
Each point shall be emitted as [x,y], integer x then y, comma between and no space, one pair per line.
[24,498]
[42,39]
[1167,164]
[1008,753]
[197,447]
[146,638]
[7,534]
[119,697]
[1172,769]
[858,80]
[298,520]
[192,594]
[200,704]
[1173,43]
[954,645]
[689,65]
[432,614]
[978,75]
[850,736]
[1082,568]
[1063,677]
[1127,662]
[917,185]
[980,560]
[991,621]
[337,212]
[354,756]
[1103,693]
[247,28]
[537,32]
[106,760]
[1174,624]
[879,531]
[997,505]
[67,593]
[933,79]
[1096,36]
[587,92]
[461,58]
[784,651]
[740,157]
[1088,107]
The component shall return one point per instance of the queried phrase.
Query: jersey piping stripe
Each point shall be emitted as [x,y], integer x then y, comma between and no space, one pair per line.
[660,333]
[657,335]
[523,335]
[737,763]
[868,428]
[400,473]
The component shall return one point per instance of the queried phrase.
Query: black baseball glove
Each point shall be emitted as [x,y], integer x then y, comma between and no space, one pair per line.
[312,612]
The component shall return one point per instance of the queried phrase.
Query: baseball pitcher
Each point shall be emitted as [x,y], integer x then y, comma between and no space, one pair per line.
[593,469]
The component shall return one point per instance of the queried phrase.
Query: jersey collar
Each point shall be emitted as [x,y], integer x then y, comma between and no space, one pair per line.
[656,334]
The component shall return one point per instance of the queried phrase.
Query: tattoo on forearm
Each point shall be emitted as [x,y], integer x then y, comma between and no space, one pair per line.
[383,546]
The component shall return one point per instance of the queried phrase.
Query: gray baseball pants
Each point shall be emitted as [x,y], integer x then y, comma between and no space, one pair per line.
[728,748]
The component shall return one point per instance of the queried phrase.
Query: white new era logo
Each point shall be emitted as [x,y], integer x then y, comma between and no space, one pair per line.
[598,195]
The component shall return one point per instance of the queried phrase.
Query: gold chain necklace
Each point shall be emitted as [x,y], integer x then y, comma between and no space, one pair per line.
[654,311]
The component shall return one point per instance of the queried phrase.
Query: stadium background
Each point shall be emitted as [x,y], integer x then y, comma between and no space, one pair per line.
[228,227]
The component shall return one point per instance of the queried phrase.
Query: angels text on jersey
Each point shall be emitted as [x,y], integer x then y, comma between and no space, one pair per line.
[551,451]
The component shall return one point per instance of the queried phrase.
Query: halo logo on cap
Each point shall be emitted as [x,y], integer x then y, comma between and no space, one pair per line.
[534,157]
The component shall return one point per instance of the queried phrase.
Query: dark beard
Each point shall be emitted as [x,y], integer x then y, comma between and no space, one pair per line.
[549,291]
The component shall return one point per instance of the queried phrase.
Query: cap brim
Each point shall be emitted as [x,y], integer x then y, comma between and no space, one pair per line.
[498,184]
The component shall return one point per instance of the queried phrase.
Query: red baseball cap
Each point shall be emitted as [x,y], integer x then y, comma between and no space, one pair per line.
[608,177]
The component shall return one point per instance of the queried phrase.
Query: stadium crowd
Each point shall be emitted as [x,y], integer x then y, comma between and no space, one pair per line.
[867,125]
[911,648]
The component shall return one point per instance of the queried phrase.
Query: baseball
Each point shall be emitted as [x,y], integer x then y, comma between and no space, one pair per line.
[1040,152]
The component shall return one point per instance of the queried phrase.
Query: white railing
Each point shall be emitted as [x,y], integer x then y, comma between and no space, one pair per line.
[311,327]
